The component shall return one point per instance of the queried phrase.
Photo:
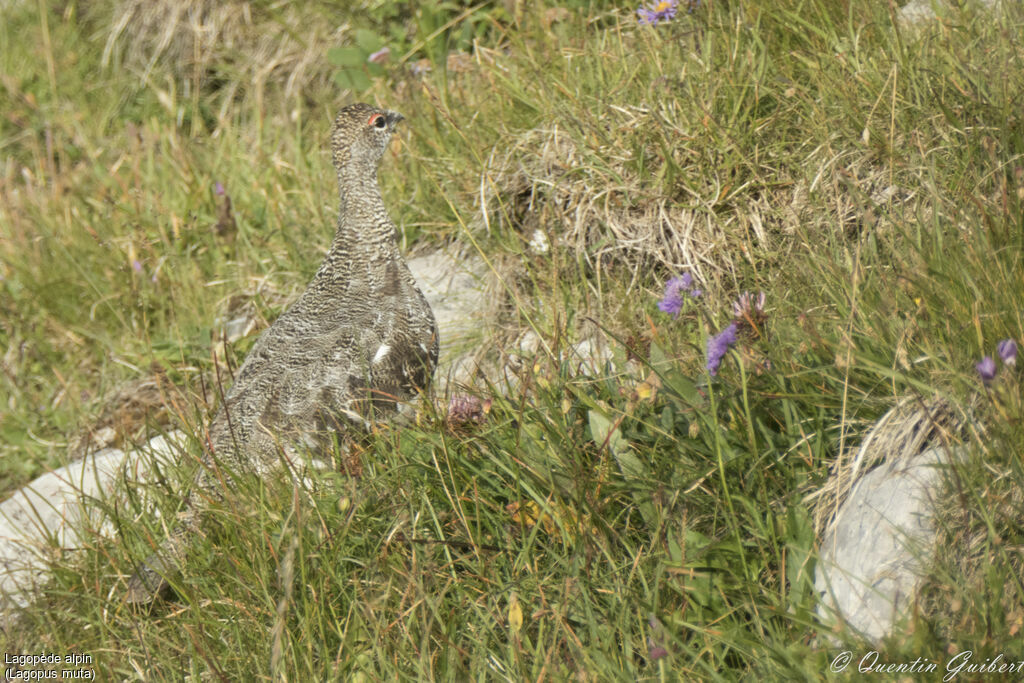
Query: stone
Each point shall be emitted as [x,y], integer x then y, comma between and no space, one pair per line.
[874,550]
[45,516]
[456,290]
[916,12]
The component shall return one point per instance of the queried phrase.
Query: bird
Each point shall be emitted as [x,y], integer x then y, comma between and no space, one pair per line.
[357,345]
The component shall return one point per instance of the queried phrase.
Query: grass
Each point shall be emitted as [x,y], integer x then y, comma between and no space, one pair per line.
[868,176]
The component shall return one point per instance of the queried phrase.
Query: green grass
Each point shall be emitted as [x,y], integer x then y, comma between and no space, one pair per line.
[869,179]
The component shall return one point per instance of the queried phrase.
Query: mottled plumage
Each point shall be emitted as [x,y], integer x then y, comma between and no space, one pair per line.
[360,338]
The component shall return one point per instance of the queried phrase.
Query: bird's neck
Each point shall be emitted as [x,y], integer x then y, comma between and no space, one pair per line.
[365,239]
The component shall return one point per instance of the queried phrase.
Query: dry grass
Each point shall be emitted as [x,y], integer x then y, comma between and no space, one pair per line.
[130,413]
[546,180]
[911,427]
[982,538]
[239,49]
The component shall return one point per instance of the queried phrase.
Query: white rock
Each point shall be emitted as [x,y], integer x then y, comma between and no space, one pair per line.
[43,518]
[872,553]
[539,242]
[456,291]
[918,11]
[591,357]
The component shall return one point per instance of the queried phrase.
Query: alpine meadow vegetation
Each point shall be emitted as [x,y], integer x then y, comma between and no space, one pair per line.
[783,218]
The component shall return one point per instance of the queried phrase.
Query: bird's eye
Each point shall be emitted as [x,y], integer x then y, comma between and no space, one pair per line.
[378,121]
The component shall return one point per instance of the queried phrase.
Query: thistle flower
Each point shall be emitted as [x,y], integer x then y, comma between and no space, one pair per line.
[718,346]
[986,368]
[749,307]
[748,312]
[662,11]
[1007,350]
[655,652]
[380,56]
[226,225]
[464,410]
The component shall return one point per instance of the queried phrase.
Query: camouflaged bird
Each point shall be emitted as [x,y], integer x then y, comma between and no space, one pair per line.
[360,339]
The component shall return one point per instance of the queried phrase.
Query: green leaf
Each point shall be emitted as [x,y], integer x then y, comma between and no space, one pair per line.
[799,558]
[699,588]
[675,551]
[352,79]
[346,56]
[630,464]
[683,387]
[696,541]
[668,421]
[603,432]
[368,40]
[659,359]
[679,385]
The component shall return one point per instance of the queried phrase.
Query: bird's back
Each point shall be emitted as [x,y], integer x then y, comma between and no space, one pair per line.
[332,361]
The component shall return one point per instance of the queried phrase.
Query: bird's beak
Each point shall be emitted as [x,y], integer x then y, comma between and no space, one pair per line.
[393,117]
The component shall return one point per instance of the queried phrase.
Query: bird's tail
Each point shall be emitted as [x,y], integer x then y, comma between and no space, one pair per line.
[150,580]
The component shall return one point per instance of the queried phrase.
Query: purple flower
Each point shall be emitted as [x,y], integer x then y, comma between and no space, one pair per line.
[718,346]
[986,368]
[136,266]
[218,189]
[380,56]
[672,302]
[656,652]
[1007,350]
[662,11]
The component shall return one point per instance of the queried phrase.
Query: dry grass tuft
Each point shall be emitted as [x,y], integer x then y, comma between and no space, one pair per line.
[547,187]
[545,179]
[908,429]
[240,48]
[131,414]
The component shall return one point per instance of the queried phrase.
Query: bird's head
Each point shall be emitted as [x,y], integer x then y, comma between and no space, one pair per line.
[360,135]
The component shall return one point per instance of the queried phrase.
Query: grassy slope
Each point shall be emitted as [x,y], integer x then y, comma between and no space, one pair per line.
[801,116]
